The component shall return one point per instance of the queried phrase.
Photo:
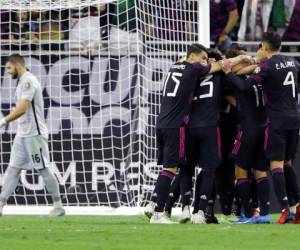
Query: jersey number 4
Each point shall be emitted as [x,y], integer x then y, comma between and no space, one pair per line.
[289,80]
[175,76]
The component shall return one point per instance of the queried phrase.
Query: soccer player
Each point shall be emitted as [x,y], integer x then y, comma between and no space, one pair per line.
[225,177]
[30,146]
[278,76]
[204,139]
[248,150]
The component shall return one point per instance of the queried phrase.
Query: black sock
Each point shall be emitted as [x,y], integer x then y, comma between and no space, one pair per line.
[163,187]
[186,182]
[253,192]
[243,188]
[174,194]
[291,183]
[229,199]
[279,187]
[224,182]
[289,191]
[237,208]
[206,188]
[197,193]
[263,192]
[211,203]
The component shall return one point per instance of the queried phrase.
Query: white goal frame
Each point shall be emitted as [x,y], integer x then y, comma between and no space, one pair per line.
[203,38]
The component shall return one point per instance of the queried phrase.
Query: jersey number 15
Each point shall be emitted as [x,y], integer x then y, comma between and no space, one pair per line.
[175,76]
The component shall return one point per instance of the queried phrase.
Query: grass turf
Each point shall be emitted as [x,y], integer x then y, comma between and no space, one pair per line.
[134,232]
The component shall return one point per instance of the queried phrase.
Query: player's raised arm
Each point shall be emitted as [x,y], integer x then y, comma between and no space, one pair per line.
[246,69]
[255,67]
[217,66]
[256,72]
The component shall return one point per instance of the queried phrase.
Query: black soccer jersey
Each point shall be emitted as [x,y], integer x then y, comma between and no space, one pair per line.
[178,92]
[278,77]
[250,106]
[207,101]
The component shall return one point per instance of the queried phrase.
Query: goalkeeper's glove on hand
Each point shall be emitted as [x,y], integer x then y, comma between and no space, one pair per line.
[3,122]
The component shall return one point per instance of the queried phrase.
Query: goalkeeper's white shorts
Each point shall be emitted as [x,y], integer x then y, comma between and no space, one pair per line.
[30,152]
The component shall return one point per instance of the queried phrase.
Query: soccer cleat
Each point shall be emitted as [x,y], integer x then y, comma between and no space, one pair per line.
[149,209]
[244,220]
[284,217]
[198,218]
[227,219]
[160,218]
[211,219]
[262,219]
[57,212]
[296,220]
[185,215]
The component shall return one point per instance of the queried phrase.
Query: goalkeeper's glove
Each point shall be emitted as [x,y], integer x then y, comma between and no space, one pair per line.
[3,122]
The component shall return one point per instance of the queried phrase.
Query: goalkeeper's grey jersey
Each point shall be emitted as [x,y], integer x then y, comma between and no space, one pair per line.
[32,123]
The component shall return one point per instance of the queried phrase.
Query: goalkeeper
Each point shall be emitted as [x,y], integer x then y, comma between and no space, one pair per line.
[30,146]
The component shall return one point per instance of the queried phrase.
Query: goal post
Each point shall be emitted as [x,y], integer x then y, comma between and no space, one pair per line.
[101,64]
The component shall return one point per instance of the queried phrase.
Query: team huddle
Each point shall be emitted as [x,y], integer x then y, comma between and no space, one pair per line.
[216,111]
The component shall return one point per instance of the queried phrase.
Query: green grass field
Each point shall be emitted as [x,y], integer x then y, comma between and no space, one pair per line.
[133,232]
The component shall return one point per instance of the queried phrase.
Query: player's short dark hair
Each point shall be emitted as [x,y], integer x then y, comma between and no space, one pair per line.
[16,58]
[196,48]
[212,53]
[230,53]
[272,39]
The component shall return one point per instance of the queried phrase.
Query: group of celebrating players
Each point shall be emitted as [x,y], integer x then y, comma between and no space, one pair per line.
[261,99]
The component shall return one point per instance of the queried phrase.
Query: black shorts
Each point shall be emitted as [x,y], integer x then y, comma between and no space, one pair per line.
[171,146]
[203,147]
[281,145]
[248,150]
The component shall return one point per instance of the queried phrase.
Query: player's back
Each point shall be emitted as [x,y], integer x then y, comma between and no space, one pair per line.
[207,100]
[177,93]
[32,122]
[251,110]
[280,87]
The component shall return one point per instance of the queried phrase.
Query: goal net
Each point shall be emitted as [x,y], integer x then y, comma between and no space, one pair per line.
[102,64]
